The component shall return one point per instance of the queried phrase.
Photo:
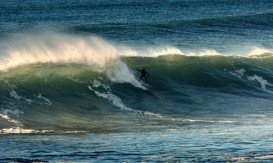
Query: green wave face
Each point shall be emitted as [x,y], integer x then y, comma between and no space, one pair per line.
[77,97]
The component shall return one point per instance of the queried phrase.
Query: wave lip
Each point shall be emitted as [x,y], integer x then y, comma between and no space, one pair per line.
[55,48]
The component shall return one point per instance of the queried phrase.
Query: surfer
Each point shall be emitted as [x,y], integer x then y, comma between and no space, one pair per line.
[144,74]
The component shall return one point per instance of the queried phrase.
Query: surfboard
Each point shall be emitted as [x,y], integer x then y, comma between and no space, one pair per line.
[146,85]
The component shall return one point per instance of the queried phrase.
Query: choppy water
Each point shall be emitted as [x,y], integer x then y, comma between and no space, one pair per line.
[69,88]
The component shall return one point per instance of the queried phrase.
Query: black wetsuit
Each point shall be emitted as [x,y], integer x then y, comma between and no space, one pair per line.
[144,74]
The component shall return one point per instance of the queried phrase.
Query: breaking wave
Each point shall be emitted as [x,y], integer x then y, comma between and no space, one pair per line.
[52,83]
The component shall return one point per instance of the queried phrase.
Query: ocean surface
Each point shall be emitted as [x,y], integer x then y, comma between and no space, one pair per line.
[69,88]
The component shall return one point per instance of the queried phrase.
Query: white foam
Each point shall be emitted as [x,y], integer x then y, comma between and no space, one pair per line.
[255,52]
[155,52]
[19,130]
[119,73]
[14,94]
[261,80]
[10,86]
[8,119]
[47,101]
[204,52]
[116,101]
[252,51]
[78,80]
[238,73]
[29,100]
[199,120]
[113,98]
[97,83]
[268,156]
[12,111]
[170,50]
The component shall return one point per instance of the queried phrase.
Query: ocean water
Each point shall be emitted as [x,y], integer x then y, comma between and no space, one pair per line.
[69,88]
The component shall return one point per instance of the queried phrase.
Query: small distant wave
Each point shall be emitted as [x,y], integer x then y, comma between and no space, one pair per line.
[259,19]
[199,121]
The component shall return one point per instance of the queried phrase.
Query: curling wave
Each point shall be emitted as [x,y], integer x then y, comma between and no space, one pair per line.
[70,84]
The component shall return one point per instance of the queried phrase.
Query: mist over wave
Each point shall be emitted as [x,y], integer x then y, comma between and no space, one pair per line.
[56,47]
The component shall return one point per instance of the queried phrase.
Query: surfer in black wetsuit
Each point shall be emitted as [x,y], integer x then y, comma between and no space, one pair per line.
[144,74]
